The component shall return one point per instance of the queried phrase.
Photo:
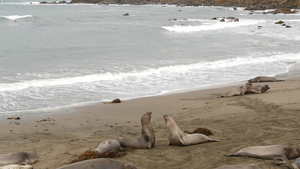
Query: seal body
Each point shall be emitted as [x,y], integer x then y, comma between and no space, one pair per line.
[295,164]
[250,166]
[239,91]
[147,138]
[18,158]
[107,146]
[268,152]
[177,137]
[15,166]
[259,79]
[257,89]
[99,163]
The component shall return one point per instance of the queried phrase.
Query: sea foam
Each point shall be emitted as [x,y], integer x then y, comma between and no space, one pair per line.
[15,17]
[209,25]
[283,60]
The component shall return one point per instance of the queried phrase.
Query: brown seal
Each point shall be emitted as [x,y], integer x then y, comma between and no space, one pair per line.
[18,158]
[259,79]
[257,89]
[147,138]
[239,91]
[268,152]
[177,137]
[100,163]
[250,166]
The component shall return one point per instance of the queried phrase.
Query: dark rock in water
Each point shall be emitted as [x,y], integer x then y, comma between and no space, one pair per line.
[259,27]
[230,17]
[288,26]
[116,101]
[236,20]
[222,20]
[279,22]
[284,10]
[234,8]
[214,18]
[126,14]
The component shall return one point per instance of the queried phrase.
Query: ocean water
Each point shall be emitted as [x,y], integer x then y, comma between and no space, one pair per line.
[67,54]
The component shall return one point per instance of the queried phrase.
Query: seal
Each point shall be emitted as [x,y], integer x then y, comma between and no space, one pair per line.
[250,166]
[179,138]
[259,79]
[147,138]
[15,166]
[18,158]
[257,89]
[239,91]
[268,152]
[295,164]
[99,163]
[107,146]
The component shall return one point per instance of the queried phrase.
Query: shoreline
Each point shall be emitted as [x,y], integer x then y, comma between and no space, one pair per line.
[256,119]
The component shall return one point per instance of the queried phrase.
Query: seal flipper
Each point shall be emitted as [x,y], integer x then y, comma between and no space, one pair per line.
[180,138]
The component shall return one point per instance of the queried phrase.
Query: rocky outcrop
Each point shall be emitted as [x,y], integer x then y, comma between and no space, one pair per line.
[54,2]
[250,4]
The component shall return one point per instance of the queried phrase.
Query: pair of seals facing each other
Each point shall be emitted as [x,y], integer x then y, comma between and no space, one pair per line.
[250,166]
[179,138]
[259,79]
[100,163]
[18,158]
[239,91]
[146,140]
[271,152]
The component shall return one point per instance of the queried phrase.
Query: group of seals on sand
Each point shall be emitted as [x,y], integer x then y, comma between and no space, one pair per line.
[249,88]
[175,136]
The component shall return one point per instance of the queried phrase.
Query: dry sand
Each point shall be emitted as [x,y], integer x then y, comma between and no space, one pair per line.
[257,119]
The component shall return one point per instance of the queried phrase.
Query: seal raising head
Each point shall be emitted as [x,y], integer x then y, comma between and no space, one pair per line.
[177,137]
[147,138]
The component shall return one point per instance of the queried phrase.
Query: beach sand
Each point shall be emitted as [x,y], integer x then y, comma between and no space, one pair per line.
[255,119]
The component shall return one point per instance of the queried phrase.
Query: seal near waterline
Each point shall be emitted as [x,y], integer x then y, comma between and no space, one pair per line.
[107,146]
[259,79]
[257,89]
[147,138]
[268,152]
[18,158]
[16,166]
[239,91]
[179,138]
[250,166]
[99,163]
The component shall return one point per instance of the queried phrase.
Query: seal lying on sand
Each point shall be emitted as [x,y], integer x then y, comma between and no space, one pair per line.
[250,166]
[259,79]
[237,91]
[18,158]
[179,138]
[268,152]
[295,164]
[257,89]
[100,163]
[147,138]
[15,166]
[107,146]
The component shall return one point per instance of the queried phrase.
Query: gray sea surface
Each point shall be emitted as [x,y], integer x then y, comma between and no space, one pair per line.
[54,55]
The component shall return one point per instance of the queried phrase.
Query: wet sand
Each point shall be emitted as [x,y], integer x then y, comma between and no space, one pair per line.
[255,119]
